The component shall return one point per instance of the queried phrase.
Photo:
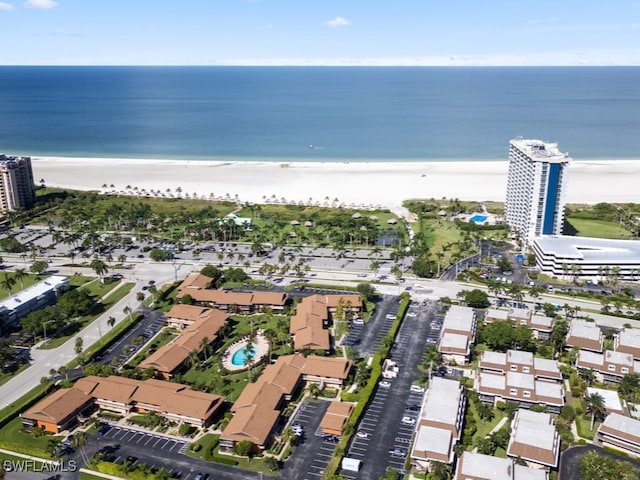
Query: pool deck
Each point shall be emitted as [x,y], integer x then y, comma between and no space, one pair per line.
[261,346]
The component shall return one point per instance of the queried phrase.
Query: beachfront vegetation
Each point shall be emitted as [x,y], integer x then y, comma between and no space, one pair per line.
[80,219]
[441,238]
[603,220]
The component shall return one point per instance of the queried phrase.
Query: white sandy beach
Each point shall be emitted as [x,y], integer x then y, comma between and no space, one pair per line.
[358,183]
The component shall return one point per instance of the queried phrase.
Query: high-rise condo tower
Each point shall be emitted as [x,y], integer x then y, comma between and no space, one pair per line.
[16,183]
[536,188]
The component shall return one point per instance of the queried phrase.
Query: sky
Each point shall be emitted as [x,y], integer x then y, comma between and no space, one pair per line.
[320,32]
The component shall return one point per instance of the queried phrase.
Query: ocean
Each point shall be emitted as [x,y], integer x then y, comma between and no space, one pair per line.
[318,113]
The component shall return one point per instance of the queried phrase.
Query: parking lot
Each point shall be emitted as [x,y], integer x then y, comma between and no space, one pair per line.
[386,429]
[311,457]
[124,349]
[135,437]
[157,451]
[366,339]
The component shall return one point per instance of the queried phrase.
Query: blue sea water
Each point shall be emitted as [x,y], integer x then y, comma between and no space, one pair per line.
[317,113]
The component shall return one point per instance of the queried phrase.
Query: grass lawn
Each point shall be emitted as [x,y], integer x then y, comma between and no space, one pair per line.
[259,321]
[88,476]
[230,385]
[11,435]
[583,425]
[5,377]
[597,228]
[25,282]
[207,441]
[487,426]
[98,289]
[106,304]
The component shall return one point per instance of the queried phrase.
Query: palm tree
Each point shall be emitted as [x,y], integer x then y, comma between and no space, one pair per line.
[111,321]
[205,347]
[127,311]
[99,267]
[192,359]
[79,442]
[595,405]
[7,283]
[19,275]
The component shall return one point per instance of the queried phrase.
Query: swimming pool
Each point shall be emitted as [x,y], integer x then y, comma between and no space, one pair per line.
[478,218]
[239,358]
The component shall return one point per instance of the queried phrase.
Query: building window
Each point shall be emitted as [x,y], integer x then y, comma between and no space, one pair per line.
[525,369]
[523,322]
[624,370]
[513,368]
[526,394]
[611,368]
[513,391]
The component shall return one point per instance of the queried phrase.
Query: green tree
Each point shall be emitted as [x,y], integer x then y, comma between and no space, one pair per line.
[7,282]
[39,267]
[595,406]
[422,266]
[440,471]
[272,464]
[99,267]
[78,345]
[367,290]
[629,386]
[20,274]
[243,448]
[476,298]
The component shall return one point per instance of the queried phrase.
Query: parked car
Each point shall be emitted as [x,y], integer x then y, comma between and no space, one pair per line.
[362,434]
[398,452]
[408,420]
[331,439]
[103,429]
[417,389]
[384,384]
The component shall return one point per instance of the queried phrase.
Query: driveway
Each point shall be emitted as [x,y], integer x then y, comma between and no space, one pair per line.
[366,339]
[570,461]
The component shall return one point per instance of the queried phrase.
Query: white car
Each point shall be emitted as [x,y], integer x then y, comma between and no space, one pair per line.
[385,384]
[408,421]
[391,317]
[362,434]
[412,314]
[417,389]
[358,321]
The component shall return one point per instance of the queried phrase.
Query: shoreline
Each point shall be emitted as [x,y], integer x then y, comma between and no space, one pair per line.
[363,183]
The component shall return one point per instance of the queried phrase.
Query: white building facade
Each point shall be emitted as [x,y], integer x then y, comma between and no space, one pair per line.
[536,188]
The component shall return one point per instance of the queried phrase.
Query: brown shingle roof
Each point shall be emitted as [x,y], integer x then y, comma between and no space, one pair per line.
[262,393]
[197,281]
[170,357]
[337,416]
[251,422]
[187,312]
[168,397]
[58,406]
[327,367]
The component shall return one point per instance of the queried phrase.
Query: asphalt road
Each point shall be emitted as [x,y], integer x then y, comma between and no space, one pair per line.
[570,461]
